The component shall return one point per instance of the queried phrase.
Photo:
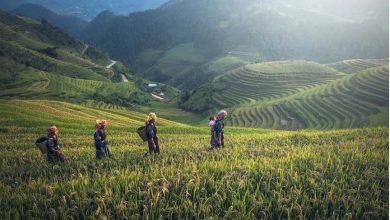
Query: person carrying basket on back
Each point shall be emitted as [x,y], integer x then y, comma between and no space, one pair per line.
[54,153]
[151,133]
[102,149]
[218,128]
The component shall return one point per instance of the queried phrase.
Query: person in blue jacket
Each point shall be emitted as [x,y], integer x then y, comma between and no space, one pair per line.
[54,153]
[218,128]
[151,133]
[102,149]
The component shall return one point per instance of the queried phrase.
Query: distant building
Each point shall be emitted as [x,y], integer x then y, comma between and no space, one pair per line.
[153,87]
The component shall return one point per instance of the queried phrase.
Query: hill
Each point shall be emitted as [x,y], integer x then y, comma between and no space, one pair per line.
[260,174]
[39,35]
[262,30]
[357,100]
[259,82]
[86,10]
[293,95]
[356,65]
[100,24]
[40,61]
[70,24]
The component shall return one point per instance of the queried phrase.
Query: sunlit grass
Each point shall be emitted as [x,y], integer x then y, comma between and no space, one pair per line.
[260,173]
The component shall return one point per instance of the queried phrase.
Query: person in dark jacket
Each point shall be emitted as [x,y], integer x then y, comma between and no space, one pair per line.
[54,153]
[151,133]
[218,128]
[102,149]
[212,122]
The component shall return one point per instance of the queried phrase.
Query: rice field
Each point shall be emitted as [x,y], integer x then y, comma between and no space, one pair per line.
[356,65]
[261,174]
[353,101]
[34,84]
[268,81]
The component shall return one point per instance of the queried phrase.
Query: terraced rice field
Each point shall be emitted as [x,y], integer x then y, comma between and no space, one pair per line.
[353,101]
[33,84]
[353,66]
[261,174]
[269,81]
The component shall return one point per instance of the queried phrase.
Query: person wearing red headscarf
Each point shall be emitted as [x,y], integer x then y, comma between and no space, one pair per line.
[54,153]
[102,149]
[218,128]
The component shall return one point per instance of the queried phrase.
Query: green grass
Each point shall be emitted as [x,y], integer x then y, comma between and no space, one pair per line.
[170,111]
[261,174]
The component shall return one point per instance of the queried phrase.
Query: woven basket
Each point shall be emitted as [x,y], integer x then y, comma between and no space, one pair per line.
[142,133]
[41,144]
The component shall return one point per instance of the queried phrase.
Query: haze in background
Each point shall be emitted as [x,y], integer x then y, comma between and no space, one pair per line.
[178,40]
[87,9]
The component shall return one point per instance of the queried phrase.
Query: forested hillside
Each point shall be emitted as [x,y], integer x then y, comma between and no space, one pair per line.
[40,61]
[255,30]
[71,24]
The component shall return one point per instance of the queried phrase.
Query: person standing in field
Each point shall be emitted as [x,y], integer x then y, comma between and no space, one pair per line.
[102,149]
[151,133]
[213,141]
[218,128]
[54,153]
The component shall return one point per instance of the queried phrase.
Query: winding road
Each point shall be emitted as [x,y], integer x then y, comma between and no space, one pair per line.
[86,46]
[157,97]
[124,79]
[113,62]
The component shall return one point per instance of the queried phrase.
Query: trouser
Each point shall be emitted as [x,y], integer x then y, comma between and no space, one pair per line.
[213,141]
[102,150]
[55,156]
[153,145]
[222,141]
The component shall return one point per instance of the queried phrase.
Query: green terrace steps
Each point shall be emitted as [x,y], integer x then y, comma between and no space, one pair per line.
[248,83]
[345,103]
[352,66]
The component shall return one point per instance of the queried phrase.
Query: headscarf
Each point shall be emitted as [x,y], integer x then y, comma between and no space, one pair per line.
[53,130]
[150,117]
[101,124]
[221,115]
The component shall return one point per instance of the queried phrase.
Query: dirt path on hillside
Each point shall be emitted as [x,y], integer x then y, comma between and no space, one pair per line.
[86,46]
[113,62]
[157,97]
[124,79]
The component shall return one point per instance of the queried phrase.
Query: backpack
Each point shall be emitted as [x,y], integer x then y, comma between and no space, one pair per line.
[142,133]
[41,144]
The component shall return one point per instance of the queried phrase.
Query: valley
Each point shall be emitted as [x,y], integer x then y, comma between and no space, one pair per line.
[305,85]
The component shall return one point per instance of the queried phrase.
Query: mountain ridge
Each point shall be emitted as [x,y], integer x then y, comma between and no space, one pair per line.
[71,24]
[271,30]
